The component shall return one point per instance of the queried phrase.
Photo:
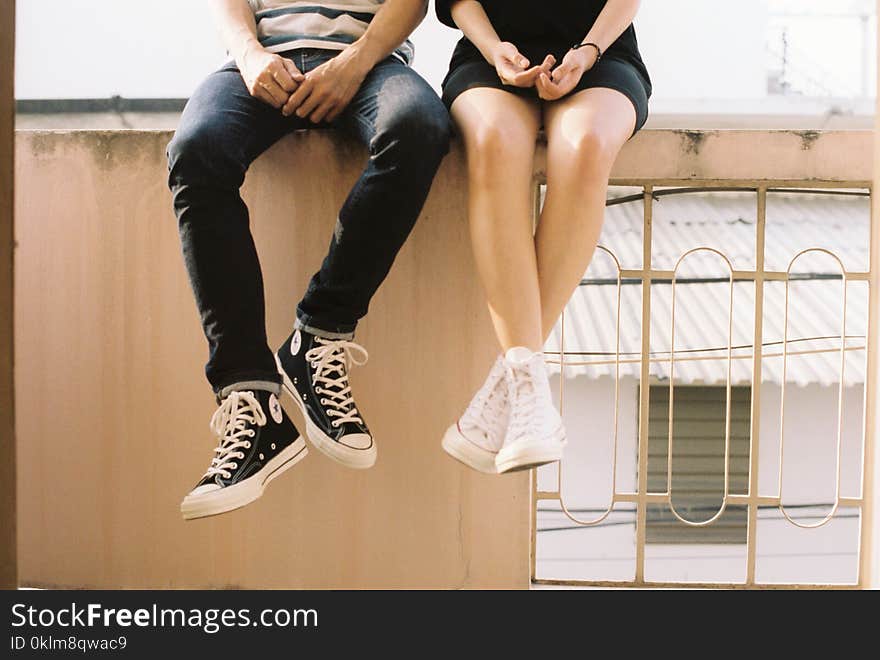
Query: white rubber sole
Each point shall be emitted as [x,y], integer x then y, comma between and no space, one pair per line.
[528,455]
[241,494]
[465,451]
[358,459]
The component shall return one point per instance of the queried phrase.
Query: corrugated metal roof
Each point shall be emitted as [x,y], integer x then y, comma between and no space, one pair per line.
[726,221]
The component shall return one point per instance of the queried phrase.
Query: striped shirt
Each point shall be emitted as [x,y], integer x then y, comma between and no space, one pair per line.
[285,25]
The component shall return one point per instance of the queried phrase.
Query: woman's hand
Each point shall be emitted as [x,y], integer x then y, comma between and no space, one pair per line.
[558,83]
[512,66]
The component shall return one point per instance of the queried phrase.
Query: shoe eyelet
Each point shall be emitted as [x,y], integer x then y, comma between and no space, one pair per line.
[323,402]
[335,425]
[252,433]
[247,445]
[234,466]
[261,457]
[273,445]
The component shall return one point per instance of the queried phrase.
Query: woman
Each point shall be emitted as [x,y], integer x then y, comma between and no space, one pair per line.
[573,66]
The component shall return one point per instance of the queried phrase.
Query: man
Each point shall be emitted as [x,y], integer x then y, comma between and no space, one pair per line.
[297,64]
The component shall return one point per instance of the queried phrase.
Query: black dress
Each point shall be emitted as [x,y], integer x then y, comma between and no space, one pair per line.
[549,27]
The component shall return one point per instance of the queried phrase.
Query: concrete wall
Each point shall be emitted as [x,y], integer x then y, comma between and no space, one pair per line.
[7,425]
[8,577]
[786,554]
[114,409]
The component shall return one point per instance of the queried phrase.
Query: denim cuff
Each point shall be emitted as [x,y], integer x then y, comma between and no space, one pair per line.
[326,330]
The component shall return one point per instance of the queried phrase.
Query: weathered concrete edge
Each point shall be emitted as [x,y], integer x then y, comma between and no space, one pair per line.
[654,156]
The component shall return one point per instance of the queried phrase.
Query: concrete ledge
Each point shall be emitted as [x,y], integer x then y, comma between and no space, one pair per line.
[742,156]
[735,156]
[112,408]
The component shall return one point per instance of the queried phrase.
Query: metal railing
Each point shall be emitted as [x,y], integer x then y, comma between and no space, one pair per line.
[752,500]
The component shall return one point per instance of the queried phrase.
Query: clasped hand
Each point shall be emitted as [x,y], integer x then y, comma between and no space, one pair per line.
[551,83]
[321,95]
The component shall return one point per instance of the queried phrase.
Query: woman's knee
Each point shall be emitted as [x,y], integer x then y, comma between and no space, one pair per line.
[591,148]
[493,149]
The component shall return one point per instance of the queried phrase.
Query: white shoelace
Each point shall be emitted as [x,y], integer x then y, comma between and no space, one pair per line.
[487,408]
[527,400]
[331,359]
[230,422]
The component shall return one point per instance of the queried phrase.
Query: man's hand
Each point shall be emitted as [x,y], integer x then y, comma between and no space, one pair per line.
[564,77]
[328,89]
[269,77]
[512,66]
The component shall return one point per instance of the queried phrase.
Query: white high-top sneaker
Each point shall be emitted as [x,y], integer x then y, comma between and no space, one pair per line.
[535,435]
[476,438]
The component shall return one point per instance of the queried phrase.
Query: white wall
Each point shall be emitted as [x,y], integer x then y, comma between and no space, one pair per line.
[97,49]
[695,49]
[785,553]
[705,50]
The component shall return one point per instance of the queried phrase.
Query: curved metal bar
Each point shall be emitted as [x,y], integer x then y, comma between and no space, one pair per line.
[672,508]
[840,391]
[749,356]
[565,510]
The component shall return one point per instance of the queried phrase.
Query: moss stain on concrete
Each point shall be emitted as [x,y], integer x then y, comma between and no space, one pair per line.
[109,149]
[692,141]
[42,144]
[808,138]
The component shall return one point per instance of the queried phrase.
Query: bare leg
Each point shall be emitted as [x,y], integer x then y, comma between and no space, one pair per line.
[585,132]
[499,131]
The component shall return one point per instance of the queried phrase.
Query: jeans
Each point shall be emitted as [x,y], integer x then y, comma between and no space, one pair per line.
[406,129]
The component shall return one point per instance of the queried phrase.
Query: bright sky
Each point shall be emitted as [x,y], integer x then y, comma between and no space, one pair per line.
[163,48]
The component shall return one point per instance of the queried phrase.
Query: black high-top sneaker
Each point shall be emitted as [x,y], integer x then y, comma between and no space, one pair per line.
[315,376]
[258,442]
